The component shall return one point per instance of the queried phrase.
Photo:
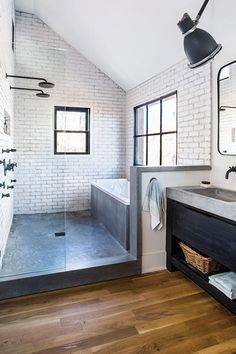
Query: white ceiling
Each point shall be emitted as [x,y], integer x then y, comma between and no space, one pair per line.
[129,40]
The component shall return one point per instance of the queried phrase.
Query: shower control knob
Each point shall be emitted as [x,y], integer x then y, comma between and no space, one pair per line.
[8,150]
[6,195]
[10,166]
[10,187]
[13,180]
[3,185]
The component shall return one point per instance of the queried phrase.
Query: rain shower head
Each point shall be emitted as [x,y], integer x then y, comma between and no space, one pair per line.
[46,84]
[43,82]
[42,95]
[39,93]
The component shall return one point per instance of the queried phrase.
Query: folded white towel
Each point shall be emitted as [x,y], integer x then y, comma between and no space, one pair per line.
[226,280]
[230,294]
[154,203]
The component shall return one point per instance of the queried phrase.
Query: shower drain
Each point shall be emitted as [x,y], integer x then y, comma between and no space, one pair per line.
[58,234]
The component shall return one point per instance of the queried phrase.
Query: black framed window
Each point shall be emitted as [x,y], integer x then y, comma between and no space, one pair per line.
[155,132]
[72,130]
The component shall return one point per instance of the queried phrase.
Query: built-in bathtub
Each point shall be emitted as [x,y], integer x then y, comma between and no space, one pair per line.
[110,203]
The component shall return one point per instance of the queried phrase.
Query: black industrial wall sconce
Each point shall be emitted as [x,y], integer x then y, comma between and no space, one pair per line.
[199,45]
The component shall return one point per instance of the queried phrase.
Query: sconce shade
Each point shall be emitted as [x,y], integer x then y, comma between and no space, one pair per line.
[199,45]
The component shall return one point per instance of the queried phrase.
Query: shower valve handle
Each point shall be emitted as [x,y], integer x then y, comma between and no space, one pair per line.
[3,185]
[7,195]
[11,166]
[8,150]
[10,187]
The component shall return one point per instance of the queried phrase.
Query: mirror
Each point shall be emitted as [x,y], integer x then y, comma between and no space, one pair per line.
[227,109]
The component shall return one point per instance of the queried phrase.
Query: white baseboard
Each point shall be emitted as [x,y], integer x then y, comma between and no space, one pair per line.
[153,261]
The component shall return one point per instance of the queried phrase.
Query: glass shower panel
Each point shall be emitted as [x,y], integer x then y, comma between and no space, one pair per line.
[89,130]
[35,243]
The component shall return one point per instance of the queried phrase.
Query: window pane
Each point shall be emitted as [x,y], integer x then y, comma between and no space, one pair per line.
[140,151]
[169,149]
[71,120]
[169,114]
[154,150]
[141,121]
[154,118]
[71,142]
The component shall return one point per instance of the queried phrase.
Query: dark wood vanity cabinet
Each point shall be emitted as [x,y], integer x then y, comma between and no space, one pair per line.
[209,234]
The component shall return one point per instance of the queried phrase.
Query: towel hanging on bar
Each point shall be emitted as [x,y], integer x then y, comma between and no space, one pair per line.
[154,204]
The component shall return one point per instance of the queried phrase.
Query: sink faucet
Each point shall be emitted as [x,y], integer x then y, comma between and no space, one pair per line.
[231,169]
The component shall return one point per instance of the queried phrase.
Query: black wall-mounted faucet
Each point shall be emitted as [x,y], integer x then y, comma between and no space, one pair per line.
[8,150]
[231,169]
[10,166]
[2,185]
[7,195]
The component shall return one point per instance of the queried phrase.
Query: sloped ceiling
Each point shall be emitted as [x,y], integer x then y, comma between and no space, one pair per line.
[129,40]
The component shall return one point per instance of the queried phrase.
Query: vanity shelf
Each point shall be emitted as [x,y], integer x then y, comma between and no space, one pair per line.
[210,234]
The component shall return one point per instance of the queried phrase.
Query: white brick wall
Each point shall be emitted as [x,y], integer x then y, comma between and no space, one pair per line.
[6,104]
[194,110]
[48,182]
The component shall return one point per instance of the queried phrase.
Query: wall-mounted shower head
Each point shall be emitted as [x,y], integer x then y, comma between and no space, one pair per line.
[43,82]
[39,93]
[42,94]
[46,84]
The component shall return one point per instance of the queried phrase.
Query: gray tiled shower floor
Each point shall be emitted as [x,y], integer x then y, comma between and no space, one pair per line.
[33,248]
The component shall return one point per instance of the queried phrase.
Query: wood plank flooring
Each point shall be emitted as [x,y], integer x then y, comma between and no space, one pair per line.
[156,313]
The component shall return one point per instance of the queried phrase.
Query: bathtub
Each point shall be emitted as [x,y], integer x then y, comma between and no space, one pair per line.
[110,203]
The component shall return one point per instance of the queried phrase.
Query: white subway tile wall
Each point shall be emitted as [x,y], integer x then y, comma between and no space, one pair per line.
[48,182]
[6,106]
[194,111]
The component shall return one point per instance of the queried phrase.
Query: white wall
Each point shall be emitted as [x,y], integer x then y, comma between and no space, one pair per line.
[194,110]
[6,104]
[154,242]
[48,182]
[224,33]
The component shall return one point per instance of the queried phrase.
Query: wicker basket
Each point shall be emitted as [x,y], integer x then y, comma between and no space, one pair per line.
[202,263]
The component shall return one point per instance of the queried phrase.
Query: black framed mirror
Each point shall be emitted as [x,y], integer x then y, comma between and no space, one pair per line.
[226,82]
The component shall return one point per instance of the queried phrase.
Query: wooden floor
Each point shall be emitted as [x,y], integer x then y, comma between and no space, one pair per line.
[157,313]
